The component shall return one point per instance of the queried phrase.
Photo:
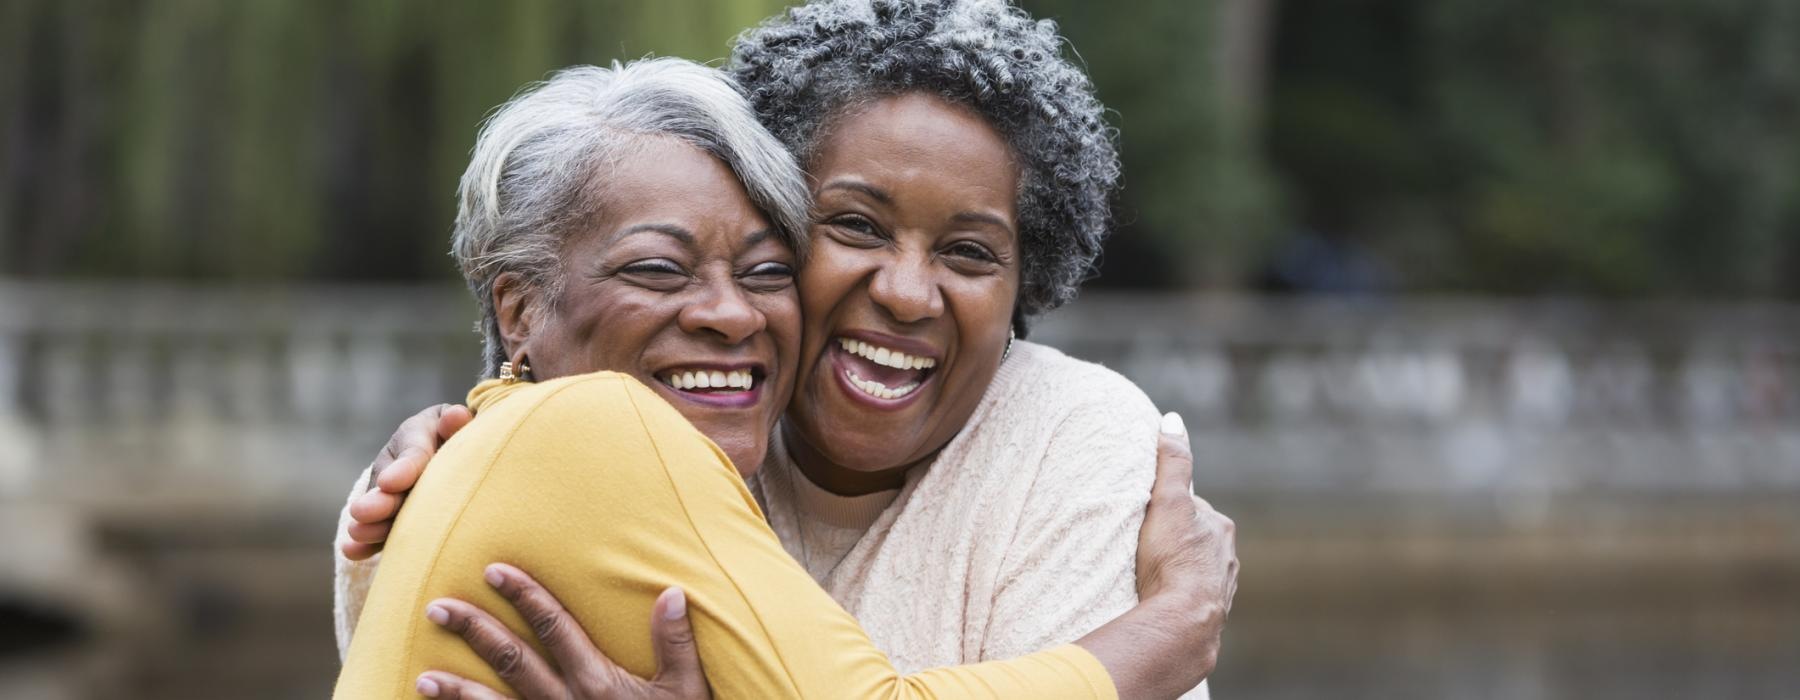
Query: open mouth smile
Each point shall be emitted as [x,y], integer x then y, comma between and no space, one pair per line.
[881,376]
[727,387]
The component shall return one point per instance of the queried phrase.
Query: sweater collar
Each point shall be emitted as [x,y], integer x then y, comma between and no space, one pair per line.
[492,391]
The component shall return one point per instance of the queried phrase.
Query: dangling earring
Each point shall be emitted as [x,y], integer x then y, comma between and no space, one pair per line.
[1010,335]
[506,371]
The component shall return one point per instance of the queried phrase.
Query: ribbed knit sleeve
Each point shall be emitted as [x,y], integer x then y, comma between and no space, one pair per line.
[350,579]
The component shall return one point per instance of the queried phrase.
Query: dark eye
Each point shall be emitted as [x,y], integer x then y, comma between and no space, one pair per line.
[771,269]
[769,276]
[973,251]
[656,272]
[654,266]
[855,227]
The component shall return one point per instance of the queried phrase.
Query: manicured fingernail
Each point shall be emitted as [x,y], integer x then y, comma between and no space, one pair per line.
[677,605]
[437,614]
[1172,425]
[427,687]
[494,578]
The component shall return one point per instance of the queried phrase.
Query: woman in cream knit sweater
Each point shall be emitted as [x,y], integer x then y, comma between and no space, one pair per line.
[966,496]
[601,484]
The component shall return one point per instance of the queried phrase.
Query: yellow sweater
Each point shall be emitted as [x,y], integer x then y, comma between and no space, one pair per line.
[605,494]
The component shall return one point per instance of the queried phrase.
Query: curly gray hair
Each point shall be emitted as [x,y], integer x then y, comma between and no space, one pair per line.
[823,58]
[537,171]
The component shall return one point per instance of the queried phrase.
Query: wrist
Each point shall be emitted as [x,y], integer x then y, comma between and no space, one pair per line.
[1193,622]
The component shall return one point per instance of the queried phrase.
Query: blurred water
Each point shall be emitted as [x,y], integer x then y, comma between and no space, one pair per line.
[1437,498]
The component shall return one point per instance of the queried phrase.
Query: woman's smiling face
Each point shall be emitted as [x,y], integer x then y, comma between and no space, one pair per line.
[681,282]
[909,290]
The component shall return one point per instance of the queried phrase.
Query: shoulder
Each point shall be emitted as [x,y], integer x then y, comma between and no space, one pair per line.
[1041,378]
[581,413]
[590,398]
[1092,423]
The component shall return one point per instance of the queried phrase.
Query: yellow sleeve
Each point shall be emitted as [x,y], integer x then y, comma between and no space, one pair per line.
[604,493]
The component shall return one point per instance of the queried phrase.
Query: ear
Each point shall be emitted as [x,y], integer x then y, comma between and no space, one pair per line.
[515,310]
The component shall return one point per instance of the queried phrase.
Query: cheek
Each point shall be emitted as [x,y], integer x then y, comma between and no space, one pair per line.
[983,308]
[830,275]
[782,312]
[617,327]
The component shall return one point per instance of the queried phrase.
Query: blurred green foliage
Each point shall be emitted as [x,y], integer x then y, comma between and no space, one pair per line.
[1611,148]
[279,138]
[1614,148]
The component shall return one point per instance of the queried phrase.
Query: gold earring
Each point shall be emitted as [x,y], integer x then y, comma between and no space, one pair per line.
[506,371]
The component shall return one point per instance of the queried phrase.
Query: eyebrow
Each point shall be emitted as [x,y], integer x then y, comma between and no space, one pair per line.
[882,196]
[982,218]
[872,191]
[670,230]
[759,237]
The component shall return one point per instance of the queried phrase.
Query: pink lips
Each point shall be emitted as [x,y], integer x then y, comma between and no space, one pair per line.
[740,398]
[719,399]
[840,369]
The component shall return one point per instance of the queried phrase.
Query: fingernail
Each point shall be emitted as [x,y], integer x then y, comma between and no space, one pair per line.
[494,578]
[677,605]
[437,614]
[427,687]
[1172,425]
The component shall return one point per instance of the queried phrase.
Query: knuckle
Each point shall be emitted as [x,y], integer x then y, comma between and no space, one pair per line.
[548,626]
[507,659]
[462,624]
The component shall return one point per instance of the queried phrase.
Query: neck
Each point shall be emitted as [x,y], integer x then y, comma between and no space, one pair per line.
[838,478]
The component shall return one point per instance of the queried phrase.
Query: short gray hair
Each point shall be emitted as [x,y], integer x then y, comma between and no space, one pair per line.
[537,167]
[821,60]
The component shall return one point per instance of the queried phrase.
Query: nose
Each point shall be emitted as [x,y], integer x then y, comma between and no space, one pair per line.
[906,290]
[724,312]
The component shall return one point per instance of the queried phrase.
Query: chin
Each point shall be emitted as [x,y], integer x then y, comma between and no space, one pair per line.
[873,451]
[746,455]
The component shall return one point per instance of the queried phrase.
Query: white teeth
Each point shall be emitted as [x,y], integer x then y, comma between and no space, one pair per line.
[877,389]
[885,356]
[710,379]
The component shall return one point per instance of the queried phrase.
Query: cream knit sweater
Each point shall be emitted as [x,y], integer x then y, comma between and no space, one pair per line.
[1020,536]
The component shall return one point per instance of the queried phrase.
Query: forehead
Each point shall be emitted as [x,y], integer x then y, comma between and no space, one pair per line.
[919,137]
[668,181]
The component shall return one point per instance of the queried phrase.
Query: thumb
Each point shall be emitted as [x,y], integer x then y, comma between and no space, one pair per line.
[1174,461]
[677,659]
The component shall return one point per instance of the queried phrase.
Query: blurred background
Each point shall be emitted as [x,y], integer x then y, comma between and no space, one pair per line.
[1483,316]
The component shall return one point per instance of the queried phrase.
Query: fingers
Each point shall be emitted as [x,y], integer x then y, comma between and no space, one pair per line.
[451,420]
[449,686]
[358,551]
[369,533]
[375,506]
[672,634]
[511,658]
[419,432]
[560,634]
[403,473]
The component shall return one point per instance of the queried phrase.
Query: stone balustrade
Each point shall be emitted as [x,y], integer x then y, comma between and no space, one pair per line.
[1434,495]
[152,386]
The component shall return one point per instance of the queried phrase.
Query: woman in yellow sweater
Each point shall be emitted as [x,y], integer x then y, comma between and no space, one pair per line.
[666,255]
